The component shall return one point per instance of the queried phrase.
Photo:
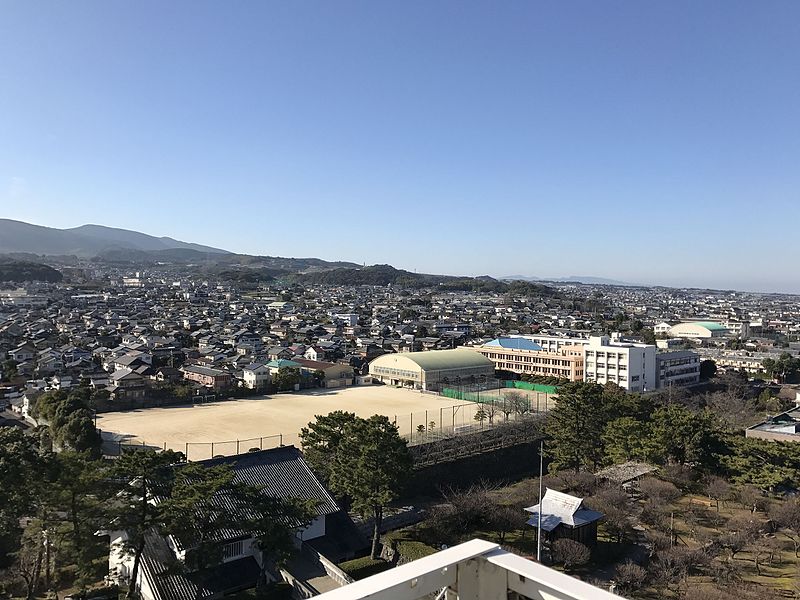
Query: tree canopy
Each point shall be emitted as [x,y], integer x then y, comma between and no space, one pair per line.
[369,461]
[321,438]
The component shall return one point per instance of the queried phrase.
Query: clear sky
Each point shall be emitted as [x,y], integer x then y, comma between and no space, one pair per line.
[642,141]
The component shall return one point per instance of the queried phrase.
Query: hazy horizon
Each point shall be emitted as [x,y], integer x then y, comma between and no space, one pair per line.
[647,143]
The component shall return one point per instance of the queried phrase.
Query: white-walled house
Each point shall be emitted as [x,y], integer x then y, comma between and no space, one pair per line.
[256,375]
[314,353]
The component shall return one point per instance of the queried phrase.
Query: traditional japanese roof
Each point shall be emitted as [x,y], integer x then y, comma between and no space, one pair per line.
[158,564]
[200,370]
[558,508]
[315,364]
[282,473]
[254,366]
[625,472]
[128,359]
[124,373]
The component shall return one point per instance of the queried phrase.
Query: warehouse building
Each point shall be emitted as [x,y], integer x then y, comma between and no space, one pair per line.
[432,369]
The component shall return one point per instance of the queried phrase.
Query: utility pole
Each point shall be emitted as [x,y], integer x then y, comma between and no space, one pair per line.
[539,526]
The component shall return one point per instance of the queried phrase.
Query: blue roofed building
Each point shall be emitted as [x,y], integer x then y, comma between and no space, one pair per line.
[513,343]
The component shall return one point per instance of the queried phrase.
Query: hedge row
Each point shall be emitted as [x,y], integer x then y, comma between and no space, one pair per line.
[359,568]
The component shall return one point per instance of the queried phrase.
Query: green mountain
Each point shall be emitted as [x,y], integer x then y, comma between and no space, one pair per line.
[18,271]
[382,275]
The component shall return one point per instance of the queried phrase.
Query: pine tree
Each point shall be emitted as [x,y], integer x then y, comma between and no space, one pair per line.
[143,476]
[372,464]
[576,427]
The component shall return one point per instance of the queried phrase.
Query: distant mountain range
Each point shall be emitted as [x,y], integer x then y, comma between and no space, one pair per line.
[122,247]
[85,241]
[570,279]
[30,242]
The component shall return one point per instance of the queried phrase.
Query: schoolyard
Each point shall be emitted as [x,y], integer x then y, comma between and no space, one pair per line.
[265,422]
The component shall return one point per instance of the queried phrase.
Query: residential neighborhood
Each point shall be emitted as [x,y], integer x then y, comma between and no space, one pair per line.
[399,300]
[187,337]
[169,341]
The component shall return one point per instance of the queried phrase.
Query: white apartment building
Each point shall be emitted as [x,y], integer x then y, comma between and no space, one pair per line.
[662,328]
[349,319]
[631,366]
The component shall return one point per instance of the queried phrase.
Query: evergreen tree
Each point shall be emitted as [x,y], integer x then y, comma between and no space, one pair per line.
[142,476]
[272,521]
[79,493]
[576,426]
[685,436]
[627,439]
[321,438]
[371,466]
[198,511]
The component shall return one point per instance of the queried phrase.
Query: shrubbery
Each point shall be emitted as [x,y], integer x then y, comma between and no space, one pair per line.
[359,568]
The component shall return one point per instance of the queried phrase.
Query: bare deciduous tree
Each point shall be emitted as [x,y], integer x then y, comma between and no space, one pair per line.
[657,542]
[655,515]
[673,565]
[581,483]
[739,533]
[660,491]
[570,553]
[717,489]
[629,577]
[787,516]
[752,498]
[504,519]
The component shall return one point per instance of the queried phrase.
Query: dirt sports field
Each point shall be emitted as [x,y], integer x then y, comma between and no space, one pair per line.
[254,421]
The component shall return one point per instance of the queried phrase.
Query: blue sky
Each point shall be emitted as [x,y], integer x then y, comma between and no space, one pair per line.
[642,141]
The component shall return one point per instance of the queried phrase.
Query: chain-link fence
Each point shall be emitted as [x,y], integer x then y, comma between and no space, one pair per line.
[490,408]
[506,398]
[115,444]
